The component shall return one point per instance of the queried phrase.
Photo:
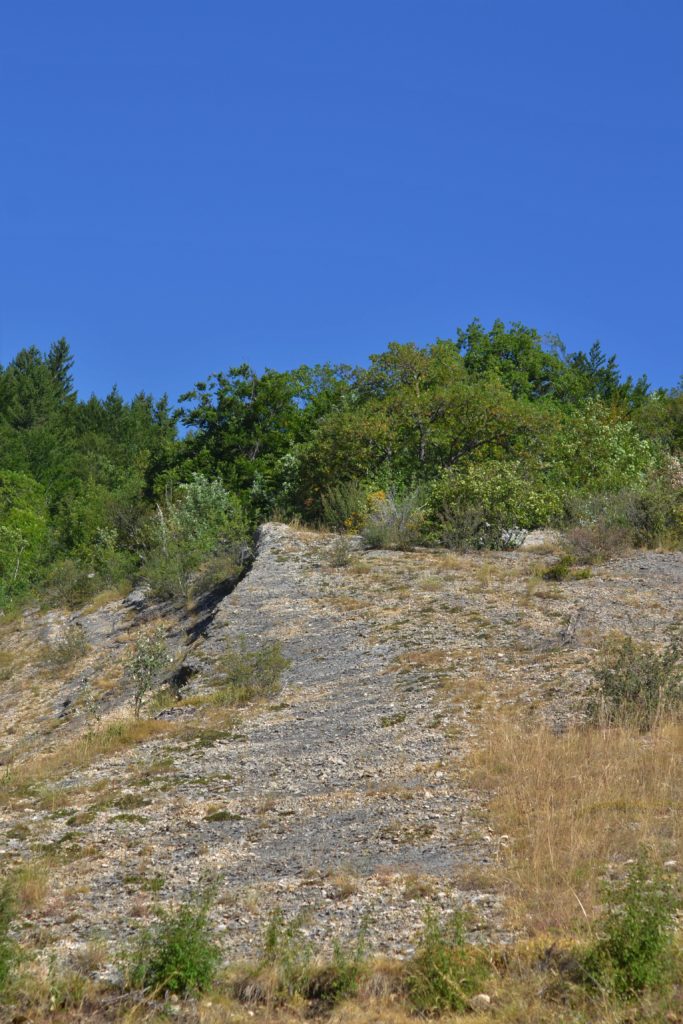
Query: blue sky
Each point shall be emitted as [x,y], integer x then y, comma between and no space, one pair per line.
[187,186]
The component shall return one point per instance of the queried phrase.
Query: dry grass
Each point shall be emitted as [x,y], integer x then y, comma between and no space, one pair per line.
[79,753]
[31,882]
[575,804]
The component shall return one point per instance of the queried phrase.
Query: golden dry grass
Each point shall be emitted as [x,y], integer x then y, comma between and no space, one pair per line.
[572,805]
[79,753]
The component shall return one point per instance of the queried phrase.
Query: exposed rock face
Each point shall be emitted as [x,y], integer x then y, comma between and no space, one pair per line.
[346,796]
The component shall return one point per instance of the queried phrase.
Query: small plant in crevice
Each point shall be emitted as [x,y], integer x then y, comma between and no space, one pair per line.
[446,971]
[243,675]
[635,948]
[150,657]
[638,684]
[177,956]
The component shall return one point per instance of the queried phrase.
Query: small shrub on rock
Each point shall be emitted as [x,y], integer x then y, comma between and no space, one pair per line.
[150,657]
[71,646]
[340,552]
[637,683]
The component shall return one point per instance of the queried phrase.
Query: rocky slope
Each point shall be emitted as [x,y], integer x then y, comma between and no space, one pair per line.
[346,798]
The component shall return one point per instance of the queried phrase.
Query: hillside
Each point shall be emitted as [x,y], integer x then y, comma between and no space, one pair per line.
[353,797]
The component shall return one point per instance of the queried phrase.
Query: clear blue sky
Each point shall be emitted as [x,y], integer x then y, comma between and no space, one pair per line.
[186,186]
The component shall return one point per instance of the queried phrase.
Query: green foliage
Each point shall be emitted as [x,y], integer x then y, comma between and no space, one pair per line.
[8,947]
[345,505]
[635,948]
[23,531]
[501,429]
[179,956]
[203,519]
[473,506]
[445,971]
[145,665]
[637,683]
[244,675]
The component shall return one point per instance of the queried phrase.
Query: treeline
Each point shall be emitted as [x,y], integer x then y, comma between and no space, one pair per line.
[462,442]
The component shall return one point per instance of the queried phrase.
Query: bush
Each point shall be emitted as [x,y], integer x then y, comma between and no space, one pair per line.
[635,949]
[445,972]
[204,519]
[609,523]
[150,657]
[563,569]
[70,647]
[345,505]
[71,583]
[395,522]
[8,947]
[178,956]
[482,500]
[244,675]
[598,542]
[638,685]
[340,552]
[339,979]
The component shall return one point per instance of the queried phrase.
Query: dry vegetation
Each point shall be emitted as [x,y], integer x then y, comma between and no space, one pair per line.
[574,807]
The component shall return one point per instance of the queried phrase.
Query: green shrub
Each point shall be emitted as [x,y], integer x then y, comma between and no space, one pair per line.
[445,971]
[71,583]
[178,956]
[637,683]
[473,506]
[607,524]
[8,947]
[395,522]
[345,505]
[243,675]
[204,519]
[144,667]
[635,948]
[564,569]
